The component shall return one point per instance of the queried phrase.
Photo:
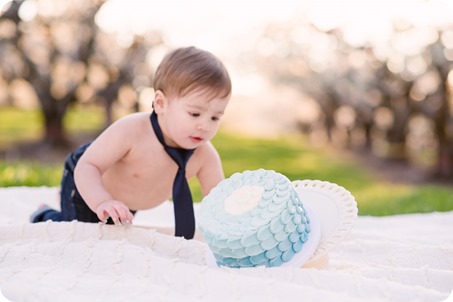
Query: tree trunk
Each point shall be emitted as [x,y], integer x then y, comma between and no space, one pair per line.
[444,166]
[396,135]
[54,132]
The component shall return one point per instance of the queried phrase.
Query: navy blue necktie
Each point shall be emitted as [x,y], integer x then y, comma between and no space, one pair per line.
[182,198]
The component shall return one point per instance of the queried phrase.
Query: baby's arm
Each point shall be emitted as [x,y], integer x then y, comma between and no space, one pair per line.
[211,171]
[89,183]
[112,145]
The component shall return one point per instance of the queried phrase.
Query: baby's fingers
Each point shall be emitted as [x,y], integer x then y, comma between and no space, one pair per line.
[128,218]
[112,213]
[120,214]
[103,216]
[117,211]
[125,216]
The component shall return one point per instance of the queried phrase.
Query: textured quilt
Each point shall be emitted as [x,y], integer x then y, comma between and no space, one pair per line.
[393,258]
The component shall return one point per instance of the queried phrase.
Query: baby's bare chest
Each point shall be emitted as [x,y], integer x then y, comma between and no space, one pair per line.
[156,165]
[142,179]
[144,168]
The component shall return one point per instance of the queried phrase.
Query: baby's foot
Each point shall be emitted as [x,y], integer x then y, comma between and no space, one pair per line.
[37,215]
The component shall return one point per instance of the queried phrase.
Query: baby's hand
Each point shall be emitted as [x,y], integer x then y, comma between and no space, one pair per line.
[116,210]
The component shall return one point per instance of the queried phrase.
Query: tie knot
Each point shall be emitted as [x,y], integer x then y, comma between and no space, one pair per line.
[180,156]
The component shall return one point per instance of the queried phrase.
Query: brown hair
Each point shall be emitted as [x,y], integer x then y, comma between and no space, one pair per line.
[187,69]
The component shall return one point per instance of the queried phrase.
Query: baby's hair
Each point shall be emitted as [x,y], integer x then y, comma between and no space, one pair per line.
[187,69]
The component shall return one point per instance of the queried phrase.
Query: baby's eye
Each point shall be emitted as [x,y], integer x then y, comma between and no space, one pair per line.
[194,114]
[215,118]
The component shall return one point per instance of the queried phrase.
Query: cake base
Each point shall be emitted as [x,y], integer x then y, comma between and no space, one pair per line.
[300,258]
[335,207]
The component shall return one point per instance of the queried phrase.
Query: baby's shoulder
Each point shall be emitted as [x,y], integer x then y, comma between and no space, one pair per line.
[206,153]
[131,127]
[133,123]
[135,119]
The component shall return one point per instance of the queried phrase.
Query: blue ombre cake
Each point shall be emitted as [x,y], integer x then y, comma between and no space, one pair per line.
[254,218]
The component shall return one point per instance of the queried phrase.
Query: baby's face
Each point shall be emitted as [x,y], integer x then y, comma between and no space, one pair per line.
[193,119]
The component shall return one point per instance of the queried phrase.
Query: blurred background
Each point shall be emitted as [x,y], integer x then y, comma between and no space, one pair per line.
[357,92]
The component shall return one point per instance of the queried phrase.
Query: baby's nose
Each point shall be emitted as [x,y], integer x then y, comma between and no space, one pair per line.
[203,126]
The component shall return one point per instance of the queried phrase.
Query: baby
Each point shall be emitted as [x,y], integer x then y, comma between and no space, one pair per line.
[142,159]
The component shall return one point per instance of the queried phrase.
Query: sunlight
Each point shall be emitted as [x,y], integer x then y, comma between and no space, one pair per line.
[28,10]
[227,27]
[211,25]
[4,4]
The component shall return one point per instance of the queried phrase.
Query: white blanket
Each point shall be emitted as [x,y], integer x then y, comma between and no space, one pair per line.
[394,258]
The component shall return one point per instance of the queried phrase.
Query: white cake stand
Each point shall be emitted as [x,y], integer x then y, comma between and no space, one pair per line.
[335,207]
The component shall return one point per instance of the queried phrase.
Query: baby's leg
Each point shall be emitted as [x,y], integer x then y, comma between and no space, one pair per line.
[44,213]
[67,193]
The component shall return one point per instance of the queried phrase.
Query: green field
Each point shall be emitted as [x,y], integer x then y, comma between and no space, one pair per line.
[25,125]
[291,156]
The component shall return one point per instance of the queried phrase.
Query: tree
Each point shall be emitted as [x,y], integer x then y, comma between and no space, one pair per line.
[440,109]
[65,57]
[358,90]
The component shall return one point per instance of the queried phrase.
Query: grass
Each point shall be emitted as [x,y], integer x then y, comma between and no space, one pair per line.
[291,156]
[28,173]
[27,125]
[19,125]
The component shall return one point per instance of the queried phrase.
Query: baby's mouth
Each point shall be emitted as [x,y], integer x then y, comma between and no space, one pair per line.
[196,138]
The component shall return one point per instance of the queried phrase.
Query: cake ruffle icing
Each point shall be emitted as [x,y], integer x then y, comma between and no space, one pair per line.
[254,218]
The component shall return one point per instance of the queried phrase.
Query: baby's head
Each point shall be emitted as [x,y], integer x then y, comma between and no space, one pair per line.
[185,70]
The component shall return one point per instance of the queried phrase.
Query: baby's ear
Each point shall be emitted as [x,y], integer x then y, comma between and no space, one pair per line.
[160,102]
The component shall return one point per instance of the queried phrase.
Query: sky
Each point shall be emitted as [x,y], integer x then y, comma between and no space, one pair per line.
[222,26]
